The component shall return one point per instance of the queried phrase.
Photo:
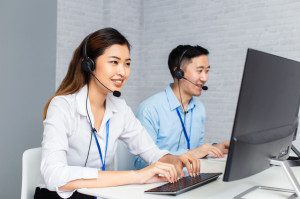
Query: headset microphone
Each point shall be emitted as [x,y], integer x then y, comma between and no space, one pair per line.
[115,93]
[205,88]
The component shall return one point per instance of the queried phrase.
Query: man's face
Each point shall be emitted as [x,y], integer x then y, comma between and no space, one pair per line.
[197,72]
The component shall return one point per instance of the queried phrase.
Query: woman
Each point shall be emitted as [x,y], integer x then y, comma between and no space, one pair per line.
[83,122]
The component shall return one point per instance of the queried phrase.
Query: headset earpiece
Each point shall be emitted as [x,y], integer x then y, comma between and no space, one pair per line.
[178,73]
[87,64]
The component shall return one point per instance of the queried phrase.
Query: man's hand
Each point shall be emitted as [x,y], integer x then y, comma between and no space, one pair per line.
[206,149]
[223,146]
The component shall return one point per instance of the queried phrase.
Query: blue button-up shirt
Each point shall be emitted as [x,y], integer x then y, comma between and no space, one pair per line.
[158,115]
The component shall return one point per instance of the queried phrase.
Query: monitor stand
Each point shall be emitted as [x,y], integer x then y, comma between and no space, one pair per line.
[294,160]
[295,150]
[290,175]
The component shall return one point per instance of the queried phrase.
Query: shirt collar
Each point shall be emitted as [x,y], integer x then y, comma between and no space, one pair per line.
[81,103]
[174,102]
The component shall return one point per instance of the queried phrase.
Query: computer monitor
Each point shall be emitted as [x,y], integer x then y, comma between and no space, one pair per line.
[266,117]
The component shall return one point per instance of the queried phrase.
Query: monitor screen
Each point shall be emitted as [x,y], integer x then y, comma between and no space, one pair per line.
[266,117]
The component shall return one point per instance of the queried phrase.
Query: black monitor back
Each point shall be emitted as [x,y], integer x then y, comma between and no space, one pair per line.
[266,116]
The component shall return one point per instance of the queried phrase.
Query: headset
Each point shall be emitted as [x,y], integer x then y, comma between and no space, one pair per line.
[87,64]
[179,73]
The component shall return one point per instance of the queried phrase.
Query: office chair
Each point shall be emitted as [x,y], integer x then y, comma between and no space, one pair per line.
[31,176]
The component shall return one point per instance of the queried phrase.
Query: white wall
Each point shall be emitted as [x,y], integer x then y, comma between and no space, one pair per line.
[76,19]
[27,79]
[226,28]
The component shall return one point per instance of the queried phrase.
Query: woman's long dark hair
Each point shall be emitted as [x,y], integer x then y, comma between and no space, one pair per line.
[97,43]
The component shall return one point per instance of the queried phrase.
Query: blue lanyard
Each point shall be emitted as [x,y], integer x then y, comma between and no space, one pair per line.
[106,144]
[184,129]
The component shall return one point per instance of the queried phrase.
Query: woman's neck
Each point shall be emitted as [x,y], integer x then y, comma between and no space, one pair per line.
[97,96]
[183,98]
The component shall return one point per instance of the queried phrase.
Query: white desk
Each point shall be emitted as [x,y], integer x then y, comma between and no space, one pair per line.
[274,177]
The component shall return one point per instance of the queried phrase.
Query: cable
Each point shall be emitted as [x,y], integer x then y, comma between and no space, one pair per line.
[88,153]
[184,112]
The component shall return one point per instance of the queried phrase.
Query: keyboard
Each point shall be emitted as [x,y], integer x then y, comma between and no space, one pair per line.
[184,184]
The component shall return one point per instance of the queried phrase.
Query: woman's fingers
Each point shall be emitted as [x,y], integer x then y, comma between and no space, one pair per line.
[179,171]
[192,164]
[196,165]
[159,171]
[172,169]
[167,168]
[184,158]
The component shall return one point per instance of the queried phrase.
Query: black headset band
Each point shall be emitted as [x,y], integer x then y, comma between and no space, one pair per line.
[85,46]
[180,59]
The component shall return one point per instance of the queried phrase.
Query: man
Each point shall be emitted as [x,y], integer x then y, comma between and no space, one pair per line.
[174,118]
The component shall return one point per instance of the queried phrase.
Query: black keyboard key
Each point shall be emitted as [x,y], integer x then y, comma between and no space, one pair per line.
[184,184]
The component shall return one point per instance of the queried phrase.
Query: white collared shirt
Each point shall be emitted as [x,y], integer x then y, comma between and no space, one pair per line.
[67,134]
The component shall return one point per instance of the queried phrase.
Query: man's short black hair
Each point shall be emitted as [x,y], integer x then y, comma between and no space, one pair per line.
[182,54]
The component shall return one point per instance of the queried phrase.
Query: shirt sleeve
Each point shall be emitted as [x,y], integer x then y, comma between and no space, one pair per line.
[54,166]
[138,140]
[139,163]
[149,120]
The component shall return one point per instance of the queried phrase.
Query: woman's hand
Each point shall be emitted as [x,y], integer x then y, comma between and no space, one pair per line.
[188,160]
[206,149]
[157,172]
[191,163]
